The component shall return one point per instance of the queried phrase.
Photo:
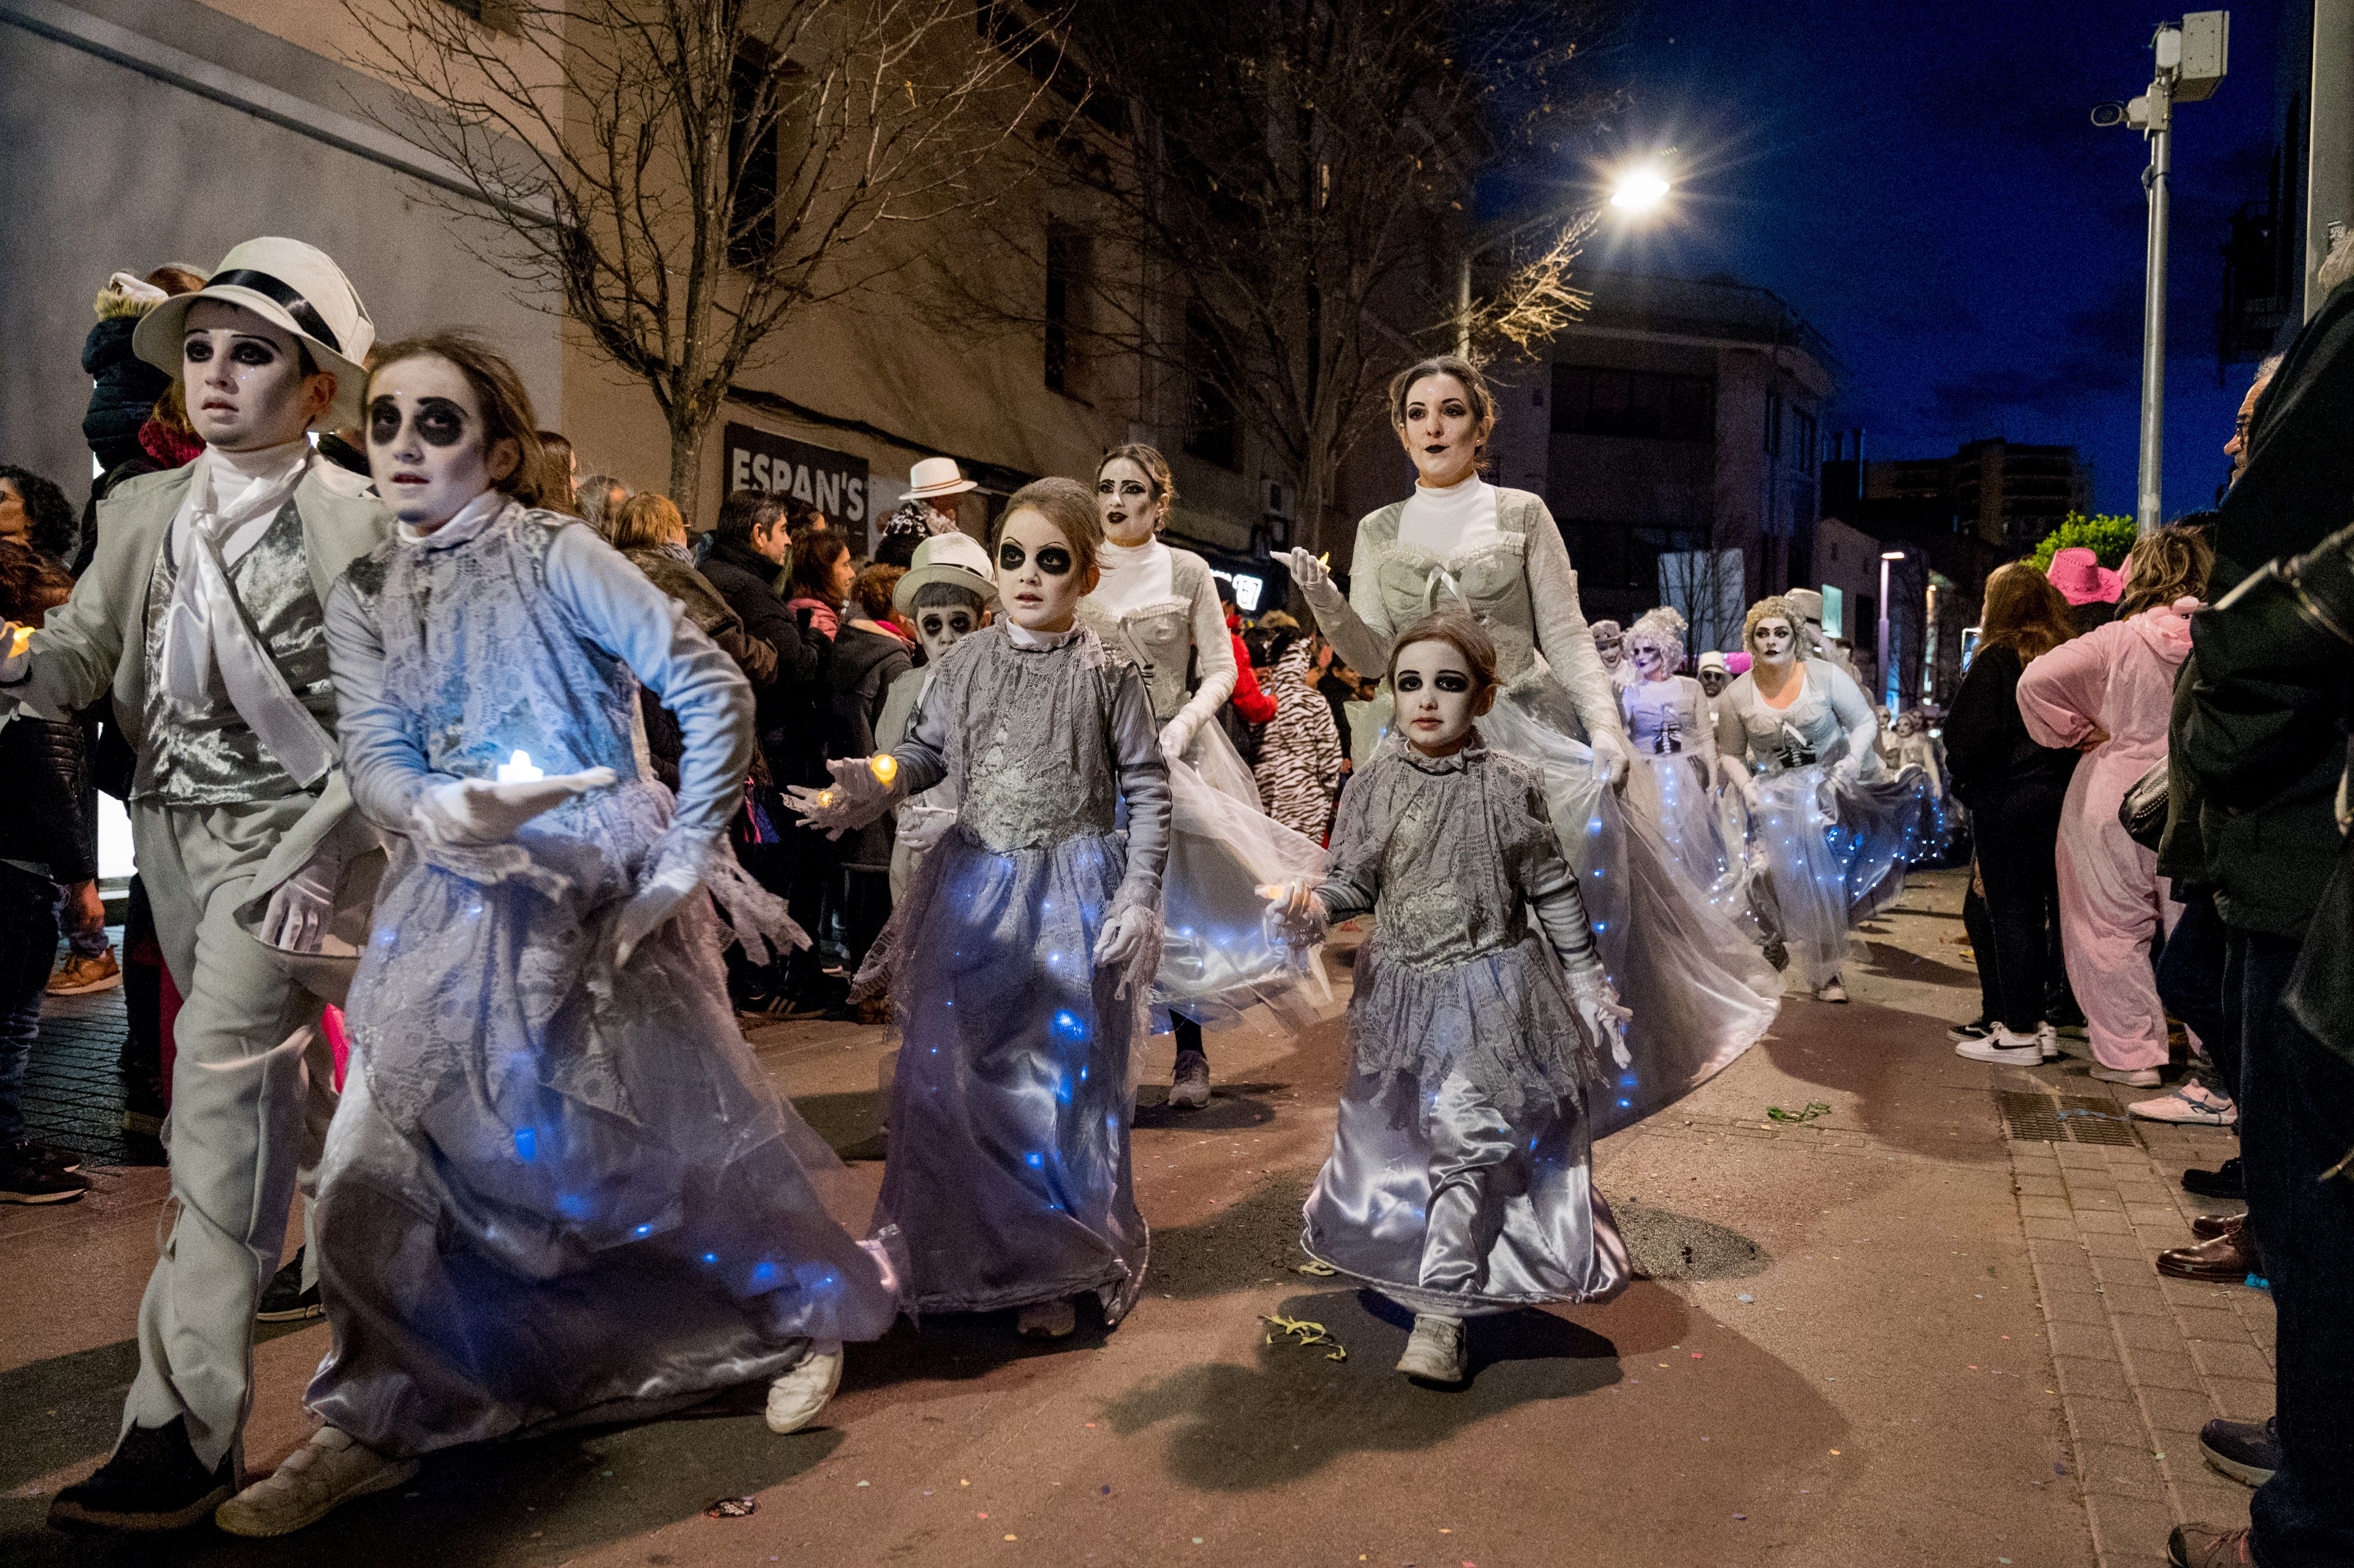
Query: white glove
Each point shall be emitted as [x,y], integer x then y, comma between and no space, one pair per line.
[922,827]
[1597,1010]
[1847,769]
[15,663]
[1121,940]
[652,904]
[302,906]
[1310,576]
[475,811]
[1747,784]
[1611,756]
[1175,737]
[857,797]
[1296,914]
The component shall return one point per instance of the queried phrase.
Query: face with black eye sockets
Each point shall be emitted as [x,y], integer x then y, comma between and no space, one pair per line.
[1036,573]
[1125,499]
[1773,641]
[425,441]
[940,627]
[242,376]
[1436,696]
[1651,659]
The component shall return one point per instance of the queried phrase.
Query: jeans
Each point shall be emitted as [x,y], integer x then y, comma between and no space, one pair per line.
[28,944]
[2017,834]
[2191,984]
[2296,1111]
[1980,927]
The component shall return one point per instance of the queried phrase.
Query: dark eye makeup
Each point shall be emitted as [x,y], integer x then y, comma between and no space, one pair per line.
[439,421]
[1054,560]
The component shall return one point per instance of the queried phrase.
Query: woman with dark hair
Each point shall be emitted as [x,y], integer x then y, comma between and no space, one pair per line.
[36,513]
[1701,993]
[530,1209]
[2109,695]
[819,579]
[2013,786]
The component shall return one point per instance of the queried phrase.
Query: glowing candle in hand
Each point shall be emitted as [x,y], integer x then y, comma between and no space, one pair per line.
[19,638]
[884,767]
[518,769]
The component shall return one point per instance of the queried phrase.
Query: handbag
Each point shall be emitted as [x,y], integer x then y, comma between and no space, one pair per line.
[2142,813]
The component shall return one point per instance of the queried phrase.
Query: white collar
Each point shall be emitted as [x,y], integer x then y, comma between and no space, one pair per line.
[471,519]
[1036,641]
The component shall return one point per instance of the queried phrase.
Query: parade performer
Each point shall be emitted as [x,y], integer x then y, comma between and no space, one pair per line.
[1677,772]
[202,614]
[560,1188]
[1021,962]
[1157,608]
[1700,990]
[1833,832]
[948,594]
[1480,1026]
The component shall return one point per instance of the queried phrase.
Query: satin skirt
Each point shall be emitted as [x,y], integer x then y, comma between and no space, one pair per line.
[1700,992]
[1673,796]
[1833,853]
[1009,1176]
[554,1192]
[1445,1204]
[1219,954]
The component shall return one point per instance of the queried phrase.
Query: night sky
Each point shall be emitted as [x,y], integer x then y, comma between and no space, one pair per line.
[1923,182]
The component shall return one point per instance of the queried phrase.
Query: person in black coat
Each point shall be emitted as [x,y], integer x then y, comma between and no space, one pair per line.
[870,652]
[124,387]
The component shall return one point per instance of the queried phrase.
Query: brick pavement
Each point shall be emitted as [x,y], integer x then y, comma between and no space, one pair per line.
[73,1094]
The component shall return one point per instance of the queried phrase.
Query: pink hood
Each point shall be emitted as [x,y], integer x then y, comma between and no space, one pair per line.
[2166,628]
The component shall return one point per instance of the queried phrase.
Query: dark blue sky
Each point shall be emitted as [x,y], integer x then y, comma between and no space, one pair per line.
[1923,182]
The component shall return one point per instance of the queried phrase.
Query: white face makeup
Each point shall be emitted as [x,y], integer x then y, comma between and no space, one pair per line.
[425,441]
[1434,687]
[1774,641]
[1439,432]
[1611,648]
[1651,659]
[1714,680]
[244,381]
[1125,499]
[940,627]
[1037,573]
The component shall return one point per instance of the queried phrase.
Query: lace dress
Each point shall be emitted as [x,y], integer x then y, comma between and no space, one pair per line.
[1831,844]
[1009,1173]
[1668,727]
[553,1192]
[1459,1180]
[1701,992]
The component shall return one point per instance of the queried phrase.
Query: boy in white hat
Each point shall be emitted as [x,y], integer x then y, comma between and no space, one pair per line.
[948,592]
[202,615]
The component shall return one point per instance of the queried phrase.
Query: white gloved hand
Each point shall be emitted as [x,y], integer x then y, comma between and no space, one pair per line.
[922,827]
[1314,580]
[1121,940]
[1847,769]
[652,904]
[475,811]
[1295,913]
[857,797]
[301,907]
[15,663]
[1175,737]
[1597,1009]
[1747,784]
[1611,756]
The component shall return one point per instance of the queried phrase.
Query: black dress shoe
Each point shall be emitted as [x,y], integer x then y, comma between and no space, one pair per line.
[2247,1451]
[285,1301]
[2225,1181]
[153,1483]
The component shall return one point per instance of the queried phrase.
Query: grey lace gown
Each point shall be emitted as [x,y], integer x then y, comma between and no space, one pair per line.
[553,1192]
[1009,1173]
[1459,1180]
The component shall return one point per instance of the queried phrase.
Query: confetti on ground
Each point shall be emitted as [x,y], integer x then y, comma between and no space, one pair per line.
[1309,1333]
[1814,1108]
[1752,1298]
[1321,1270]
[865,1483]
[728,1508]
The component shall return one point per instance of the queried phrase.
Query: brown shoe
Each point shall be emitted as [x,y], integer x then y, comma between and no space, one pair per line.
[2208,1546]
[2231,1257]
[78,976]
[2206,1225]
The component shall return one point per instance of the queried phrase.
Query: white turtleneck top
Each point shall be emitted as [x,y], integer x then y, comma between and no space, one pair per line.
[1133,576]
[1442,523]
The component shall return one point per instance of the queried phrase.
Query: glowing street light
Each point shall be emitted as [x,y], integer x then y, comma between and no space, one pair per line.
[1640,190]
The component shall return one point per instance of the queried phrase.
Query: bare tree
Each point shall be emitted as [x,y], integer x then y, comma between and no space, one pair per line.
[1287,181]
[686,176]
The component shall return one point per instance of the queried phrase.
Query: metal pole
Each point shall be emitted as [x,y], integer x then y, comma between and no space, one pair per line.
[2148,517]
[1884,626]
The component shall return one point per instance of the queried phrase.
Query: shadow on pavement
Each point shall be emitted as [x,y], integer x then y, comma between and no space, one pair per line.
[1232,1108]
[1897,963]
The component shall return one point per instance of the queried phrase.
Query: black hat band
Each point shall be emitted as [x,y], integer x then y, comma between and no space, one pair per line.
[305,314]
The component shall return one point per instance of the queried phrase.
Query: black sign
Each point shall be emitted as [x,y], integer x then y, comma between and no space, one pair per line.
[834,483]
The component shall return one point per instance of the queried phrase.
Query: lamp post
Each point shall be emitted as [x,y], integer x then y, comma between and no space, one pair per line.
[2192,60]
[1887,670]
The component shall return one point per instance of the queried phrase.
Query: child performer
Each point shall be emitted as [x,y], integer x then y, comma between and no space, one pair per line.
[1022,962]
[947,593]
[558,1187]
[1475,1041]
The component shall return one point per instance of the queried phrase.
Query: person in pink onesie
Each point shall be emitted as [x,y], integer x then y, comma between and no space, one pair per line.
[2109,693]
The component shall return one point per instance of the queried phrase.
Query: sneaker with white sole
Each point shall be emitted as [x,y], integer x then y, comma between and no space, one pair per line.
[1436,1353]
[2191,1105]
[78,976]
[2047,1039]
[1830,990]
[2131,1077]
[2004,1049]
[1977,1029]
[319,1476]
[795,1398]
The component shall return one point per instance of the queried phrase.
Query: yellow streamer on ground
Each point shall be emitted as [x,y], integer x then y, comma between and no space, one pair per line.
[1309,1334]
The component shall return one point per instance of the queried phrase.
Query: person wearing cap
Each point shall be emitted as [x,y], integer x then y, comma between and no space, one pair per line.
[948,593]
[2091,589]
[1809,603]
[1610,643]
[203,615]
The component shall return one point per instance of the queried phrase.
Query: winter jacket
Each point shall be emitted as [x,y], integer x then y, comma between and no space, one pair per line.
[686,587]
[1988,751]
[1298,770]
[126,386]
[790,708]
[1255,706]
[2321,988]
[866,662]
[47,768]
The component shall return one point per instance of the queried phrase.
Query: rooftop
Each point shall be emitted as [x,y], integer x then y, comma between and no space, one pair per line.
[1716,306]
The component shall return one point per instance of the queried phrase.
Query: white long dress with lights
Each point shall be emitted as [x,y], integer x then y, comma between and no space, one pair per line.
[556,1189]
[1667,726]
[1699,991]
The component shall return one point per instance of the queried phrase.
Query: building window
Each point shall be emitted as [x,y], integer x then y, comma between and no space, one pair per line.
[1645,404]
[752,150]
[1211,431]
[1774,422]
[1066,272]
[1809,440]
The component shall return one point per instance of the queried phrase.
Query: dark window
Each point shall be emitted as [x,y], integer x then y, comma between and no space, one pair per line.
[1211,431]
[1807,440]
[752,153]
[1648,405]
[1066,270]
[1774,422]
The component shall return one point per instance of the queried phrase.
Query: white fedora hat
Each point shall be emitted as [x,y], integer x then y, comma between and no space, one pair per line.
[955,558]
[1713,660]
[291,285]
[937,476]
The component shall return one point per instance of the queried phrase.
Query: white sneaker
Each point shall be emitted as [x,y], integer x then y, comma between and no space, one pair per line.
[328,1471]
[2131,1077]
[2191,1105]
[1830,990]
[2047,1039]
[795,1398]
[1047,1319]
[1436,1353]
[2004,1049]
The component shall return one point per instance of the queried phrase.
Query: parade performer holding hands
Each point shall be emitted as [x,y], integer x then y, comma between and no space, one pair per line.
[560,1187]
[1478,1041]
[1021,962]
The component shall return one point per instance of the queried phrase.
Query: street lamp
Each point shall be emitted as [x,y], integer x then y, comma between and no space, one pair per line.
[1640,190]
[2192,60]
[1888,686]
[1635,192]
